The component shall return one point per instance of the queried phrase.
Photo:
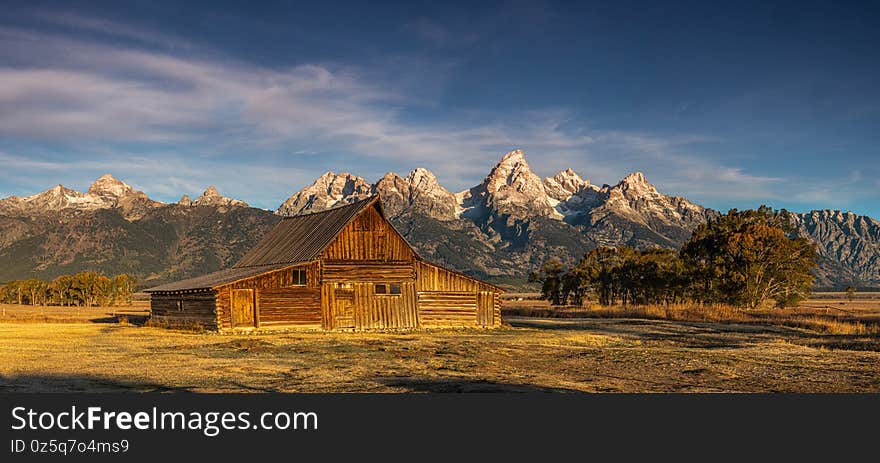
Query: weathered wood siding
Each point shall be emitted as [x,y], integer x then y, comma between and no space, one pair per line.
[278,302]
[447,308]
[430,277]
[368,237]
[371,311]
[377,272]
[185,308]
[447,298]
[485,308]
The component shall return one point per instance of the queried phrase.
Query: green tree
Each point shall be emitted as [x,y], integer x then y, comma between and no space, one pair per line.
[746,258]
[90,288]
[61,289]
[121,288]
[550,277]
[14,292]
[35,291]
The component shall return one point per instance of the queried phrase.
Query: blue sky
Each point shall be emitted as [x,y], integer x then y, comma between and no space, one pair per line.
[731,106]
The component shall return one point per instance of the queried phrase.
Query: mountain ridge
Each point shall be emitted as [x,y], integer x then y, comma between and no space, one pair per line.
[504,226]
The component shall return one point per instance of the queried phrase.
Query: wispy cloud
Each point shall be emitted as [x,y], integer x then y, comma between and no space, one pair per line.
[171,116]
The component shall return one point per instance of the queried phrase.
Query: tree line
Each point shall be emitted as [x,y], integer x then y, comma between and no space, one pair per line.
[81,289]
[743,258]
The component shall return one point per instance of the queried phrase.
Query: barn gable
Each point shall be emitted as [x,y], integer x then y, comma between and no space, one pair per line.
[369,237]
[302,238]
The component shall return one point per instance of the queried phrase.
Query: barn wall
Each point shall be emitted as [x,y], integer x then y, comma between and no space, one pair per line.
[377,272]
[447,308]
[368,237]
[447,298]
[430,277]
[374,311]
[370,310]
[195,309]
[289,306]
[282,303]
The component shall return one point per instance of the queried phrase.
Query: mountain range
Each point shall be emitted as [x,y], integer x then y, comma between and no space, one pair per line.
[500,229]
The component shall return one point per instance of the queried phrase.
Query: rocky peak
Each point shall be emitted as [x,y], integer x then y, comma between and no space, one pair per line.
[107,185]
[636,183]
[565,184]
[423,179]
[105,193]
[212,197]
[513,173]
[510,189]
[419,191]
[185,200]
[328,190]
[56,198]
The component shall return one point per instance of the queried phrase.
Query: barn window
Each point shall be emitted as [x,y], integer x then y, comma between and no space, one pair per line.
[299,277]
[392,289]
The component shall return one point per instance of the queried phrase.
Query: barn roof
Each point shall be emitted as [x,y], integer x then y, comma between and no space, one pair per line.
[303,237]
[295,240]
[217,278]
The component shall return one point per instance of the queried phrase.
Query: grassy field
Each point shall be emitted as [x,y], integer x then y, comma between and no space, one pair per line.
[138,312]
[602,354]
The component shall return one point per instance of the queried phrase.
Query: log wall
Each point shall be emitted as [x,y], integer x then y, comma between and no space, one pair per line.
[447,308]
[290,306]
[187,309]
[278,302]
[448,298]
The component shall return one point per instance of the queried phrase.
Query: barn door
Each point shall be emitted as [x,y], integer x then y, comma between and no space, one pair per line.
[242,308]
[343,306]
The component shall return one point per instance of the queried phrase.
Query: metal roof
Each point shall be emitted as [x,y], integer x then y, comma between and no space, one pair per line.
[217,278]
[295,240]
[302,238]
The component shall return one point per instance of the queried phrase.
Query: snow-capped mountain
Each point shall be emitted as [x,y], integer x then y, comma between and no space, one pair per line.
[633,211]
[511,193]
[420,191]
[211,197]
[105,193]
[328,190]
[514,215]
[506,226]
[511,190]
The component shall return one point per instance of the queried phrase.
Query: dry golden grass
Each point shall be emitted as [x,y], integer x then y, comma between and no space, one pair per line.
[13,313]
[827,316]
[601,354]
[686,348]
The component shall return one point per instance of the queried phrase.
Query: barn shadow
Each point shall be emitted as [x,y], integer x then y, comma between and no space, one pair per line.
[117,318]
[78,383]
[458,385]
[706,335]
[98,384]
[701,335]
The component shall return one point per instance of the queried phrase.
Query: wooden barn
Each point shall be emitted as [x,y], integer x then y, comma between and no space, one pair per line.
[345,268]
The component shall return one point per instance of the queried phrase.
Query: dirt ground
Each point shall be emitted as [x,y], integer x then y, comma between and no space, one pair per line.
[552,355]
